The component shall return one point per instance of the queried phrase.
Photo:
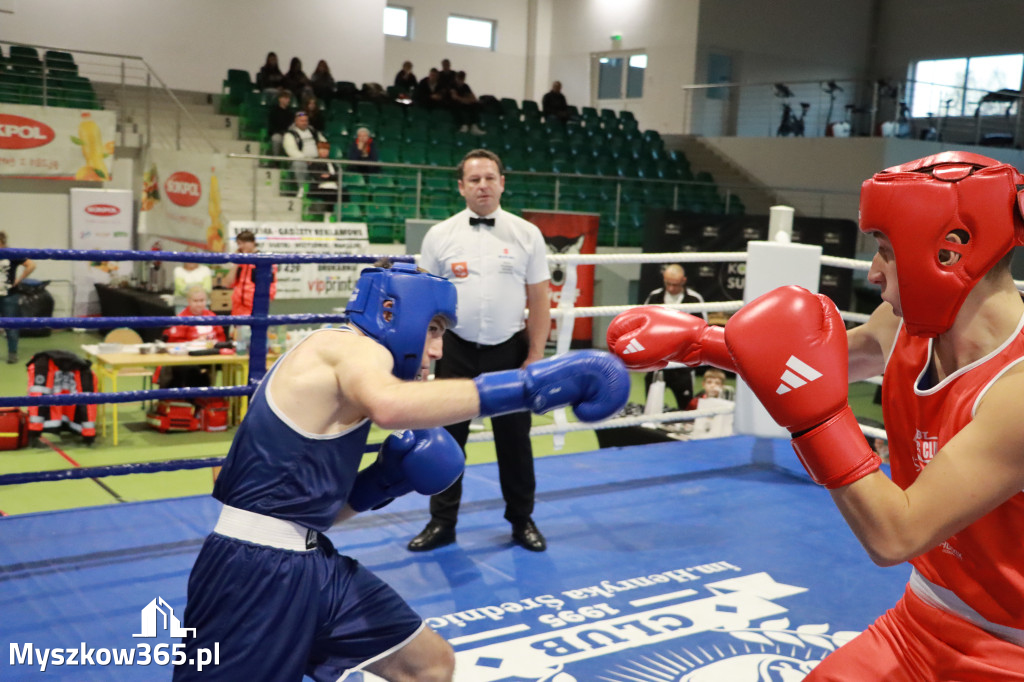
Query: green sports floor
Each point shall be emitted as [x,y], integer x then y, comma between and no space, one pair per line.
[138,442]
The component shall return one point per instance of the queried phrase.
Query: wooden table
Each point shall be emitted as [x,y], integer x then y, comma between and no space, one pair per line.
[130,362]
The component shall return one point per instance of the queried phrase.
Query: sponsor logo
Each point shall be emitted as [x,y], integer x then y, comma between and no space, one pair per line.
[633,347]
[183,189]
[460,270]
[925,447]
[19,132]
[102,209]
[796,375]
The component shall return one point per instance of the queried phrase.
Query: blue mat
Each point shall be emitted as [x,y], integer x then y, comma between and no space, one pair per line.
[676,562]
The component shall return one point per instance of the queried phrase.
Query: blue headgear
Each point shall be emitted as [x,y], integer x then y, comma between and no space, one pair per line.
[416,298]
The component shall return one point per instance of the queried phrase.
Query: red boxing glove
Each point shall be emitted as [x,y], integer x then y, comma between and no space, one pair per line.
[649,337]
[790,347]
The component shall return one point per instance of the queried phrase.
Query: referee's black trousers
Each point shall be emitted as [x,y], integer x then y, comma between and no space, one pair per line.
[464,359]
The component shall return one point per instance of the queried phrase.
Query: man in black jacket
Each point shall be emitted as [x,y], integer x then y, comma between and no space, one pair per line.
[679,381]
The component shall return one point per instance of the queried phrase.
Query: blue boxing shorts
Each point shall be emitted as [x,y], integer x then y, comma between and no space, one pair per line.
[277,614]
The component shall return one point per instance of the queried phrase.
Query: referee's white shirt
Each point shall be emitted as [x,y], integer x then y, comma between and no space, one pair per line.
[490,268]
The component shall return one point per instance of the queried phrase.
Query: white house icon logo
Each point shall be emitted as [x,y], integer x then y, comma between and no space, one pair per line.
[796,375]
[159,615]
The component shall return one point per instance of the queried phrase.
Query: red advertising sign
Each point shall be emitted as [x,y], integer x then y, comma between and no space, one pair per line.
[183,189]
[102,210]
[21,132]
[568,232]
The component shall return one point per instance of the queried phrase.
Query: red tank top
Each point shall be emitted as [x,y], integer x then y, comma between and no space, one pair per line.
[984,563]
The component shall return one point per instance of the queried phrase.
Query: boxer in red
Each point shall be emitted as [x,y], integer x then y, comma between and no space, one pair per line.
[948,337]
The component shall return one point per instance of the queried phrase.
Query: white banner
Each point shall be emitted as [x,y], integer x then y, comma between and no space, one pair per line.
[181,198]
[310,280]
[100,219]
[57,143]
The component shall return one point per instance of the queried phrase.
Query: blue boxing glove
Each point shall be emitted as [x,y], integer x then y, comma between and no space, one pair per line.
[595,383]
[424,460]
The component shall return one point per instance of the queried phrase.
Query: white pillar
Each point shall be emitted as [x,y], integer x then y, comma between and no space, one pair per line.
[771,265]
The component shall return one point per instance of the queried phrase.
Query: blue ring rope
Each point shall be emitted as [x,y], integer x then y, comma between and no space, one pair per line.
[259,321]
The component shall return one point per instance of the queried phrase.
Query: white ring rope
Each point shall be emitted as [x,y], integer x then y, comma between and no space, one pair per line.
[613,310]
[568,313]
[602,258]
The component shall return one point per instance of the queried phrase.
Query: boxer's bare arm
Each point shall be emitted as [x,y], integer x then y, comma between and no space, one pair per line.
[334,380]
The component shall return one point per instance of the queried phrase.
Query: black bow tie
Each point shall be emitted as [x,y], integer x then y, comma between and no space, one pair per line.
[489,222]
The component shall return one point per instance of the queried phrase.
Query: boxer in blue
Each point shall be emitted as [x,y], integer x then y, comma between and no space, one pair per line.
[268,587]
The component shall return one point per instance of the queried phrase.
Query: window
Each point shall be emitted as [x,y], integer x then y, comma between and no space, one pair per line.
[616,75]
[956,87]
[474,32]
[396,21]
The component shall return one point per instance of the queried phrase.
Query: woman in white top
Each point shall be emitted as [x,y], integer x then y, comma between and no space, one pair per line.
[186,276]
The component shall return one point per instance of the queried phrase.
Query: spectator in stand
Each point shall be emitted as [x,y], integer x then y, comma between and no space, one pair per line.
[428,93]
[322,82]
[300,145]
[363,149]
[297,81]
[446,75]
[269,78]
[323,180]
[464,105]
[405,80]
[279,119]
[186,277]
[315,114]
[553,105]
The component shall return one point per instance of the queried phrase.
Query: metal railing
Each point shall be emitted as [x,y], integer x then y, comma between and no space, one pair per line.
[43,75]
[854,108]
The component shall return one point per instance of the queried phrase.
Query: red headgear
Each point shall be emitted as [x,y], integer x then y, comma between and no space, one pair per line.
[916,205]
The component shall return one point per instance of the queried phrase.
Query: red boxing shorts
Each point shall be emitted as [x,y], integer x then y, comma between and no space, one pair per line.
[913,641]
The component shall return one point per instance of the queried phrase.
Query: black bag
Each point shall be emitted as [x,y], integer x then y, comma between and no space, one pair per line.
[36,301]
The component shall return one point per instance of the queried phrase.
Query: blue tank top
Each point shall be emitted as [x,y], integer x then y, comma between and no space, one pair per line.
[276,469]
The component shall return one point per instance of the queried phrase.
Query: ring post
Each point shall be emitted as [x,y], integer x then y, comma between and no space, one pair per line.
[260,309]
[771,265]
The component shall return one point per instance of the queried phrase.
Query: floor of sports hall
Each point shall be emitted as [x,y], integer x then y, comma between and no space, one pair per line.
[681,561]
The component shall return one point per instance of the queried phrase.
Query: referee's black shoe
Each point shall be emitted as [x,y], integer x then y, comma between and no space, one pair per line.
[527,536]
[433,536]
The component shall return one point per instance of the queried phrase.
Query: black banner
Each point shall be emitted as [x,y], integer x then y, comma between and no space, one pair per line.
[668,231]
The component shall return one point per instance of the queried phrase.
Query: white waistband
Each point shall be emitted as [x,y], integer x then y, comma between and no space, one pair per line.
[264,530]
[944,599]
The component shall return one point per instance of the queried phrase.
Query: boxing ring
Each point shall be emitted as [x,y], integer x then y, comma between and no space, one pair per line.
[690,560]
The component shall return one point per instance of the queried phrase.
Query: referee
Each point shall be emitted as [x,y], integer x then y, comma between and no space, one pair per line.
[497,262]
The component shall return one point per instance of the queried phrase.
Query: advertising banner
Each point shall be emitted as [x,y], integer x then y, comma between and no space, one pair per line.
[310,280]
[670,231]
[100,219]
[56,143]
[568,232]
[181,199]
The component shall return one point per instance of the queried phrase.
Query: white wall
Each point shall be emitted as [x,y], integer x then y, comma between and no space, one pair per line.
[192,43]
[500,72]
[666,29]
[911,30]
